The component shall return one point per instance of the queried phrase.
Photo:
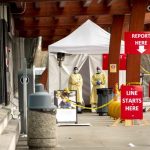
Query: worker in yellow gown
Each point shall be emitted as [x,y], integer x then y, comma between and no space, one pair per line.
[75,83]
[98,81]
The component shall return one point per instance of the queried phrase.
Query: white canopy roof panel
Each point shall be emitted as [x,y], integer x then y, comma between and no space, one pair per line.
[89,38]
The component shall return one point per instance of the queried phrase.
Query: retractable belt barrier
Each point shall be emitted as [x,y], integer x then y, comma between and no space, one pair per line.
[145,70]
[134,83]
[96,108]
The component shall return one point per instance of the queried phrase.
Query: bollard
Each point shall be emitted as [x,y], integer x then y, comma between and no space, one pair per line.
[41,129]
[41,122]
[39,87]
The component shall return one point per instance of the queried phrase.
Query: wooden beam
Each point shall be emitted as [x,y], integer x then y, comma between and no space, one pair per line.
[49,9]
[69,27]
[44,33]
[75,18]
[61,4]
[55,20]
[105,19]
[36,5]
[58,30]
[46,22]
[36,0]
[102,19]
[93,18]
[99,1]
[53,27]
[111,2]
[87,3]
[35,20]
[46,43]
[114,49]
[125,29]
[19,5]
[136,24]
[147,27]
[126,25]
[29,33]
[147,18]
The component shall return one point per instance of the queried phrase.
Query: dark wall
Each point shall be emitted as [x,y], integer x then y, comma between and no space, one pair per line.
[3,43]
[3,94]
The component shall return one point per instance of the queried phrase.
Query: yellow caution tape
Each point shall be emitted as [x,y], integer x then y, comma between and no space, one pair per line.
[106,104]
[145,70]
[95,108]
[134,83]
[138,83]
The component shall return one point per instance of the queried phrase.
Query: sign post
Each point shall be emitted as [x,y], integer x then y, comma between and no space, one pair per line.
[137,42]
[131,102]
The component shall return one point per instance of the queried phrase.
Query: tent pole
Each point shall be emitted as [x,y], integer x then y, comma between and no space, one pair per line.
[59,77]
[60,65]
[60,58]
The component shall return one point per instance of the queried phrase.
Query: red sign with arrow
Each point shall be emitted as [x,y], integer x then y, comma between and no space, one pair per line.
[137,42]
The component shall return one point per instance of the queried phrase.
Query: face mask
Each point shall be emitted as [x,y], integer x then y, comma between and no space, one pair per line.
[98,71]
[75,71]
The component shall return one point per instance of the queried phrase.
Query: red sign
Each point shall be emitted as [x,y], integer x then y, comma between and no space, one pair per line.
[137,42]
[131,102]
[123,58]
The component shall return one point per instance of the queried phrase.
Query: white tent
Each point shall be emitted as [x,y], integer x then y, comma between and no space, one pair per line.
[86,46]
[89,38]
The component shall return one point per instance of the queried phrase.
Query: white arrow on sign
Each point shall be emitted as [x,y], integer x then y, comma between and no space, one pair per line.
[141,49]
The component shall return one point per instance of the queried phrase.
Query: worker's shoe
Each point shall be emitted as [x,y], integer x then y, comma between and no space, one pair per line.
[79,109]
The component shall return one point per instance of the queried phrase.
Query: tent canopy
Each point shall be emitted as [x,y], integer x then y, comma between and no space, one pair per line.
[86,44]
[89,38]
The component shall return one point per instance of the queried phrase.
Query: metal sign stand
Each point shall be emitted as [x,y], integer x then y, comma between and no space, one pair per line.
[60,67]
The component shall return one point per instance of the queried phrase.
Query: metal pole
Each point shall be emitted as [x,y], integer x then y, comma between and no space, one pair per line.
[60,58]
[33,78]
[25,97]
[4,40]
[59,77]
[60,65]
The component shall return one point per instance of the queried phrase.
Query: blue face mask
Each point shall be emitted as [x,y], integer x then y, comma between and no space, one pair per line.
[76,71]
[99,71]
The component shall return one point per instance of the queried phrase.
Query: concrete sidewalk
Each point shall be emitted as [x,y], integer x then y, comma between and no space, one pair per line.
[100,135]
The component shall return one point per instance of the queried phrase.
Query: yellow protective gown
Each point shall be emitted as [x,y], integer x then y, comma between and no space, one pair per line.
[97,77]
[75,83]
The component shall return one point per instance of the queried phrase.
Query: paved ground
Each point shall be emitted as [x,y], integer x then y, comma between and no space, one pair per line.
[100,135]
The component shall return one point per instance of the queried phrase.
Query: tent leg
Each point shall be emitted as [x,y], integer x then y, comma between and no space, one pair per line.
[59,77]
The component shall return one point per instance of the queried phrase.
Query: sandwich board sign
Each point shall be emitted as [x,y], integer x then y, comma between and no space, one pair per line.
[131,102]
[66,108]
